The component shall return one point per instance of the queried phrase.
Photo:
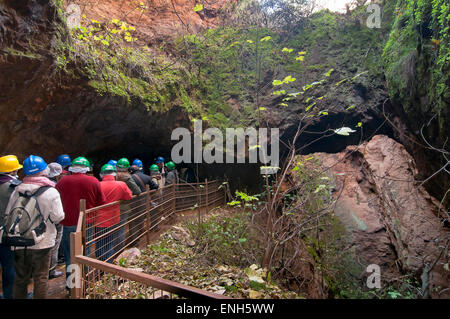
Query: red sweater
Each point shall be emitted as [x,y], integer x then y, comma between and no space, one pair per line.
[75,187]
[114,191]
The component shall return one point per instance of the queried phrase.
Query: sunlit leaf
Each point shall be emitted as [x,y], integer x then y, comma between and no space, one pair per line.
[345,131]
[289,79]
[198,8]
[329,72]
[281,92]
[350,107]
[277,82]
[320,187]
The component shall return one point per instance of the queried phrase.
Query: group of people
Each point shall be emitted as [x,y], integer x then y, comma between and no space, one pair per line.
[38,214]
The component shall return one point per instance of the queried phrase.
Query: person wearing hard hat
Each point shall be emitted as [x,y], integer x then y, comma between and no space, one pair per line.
[65,161]
[112,162]
[137,162]
[73,188]
[33,262]
[106,219]
[123,175]
[156,175]
[142,179]
[162,170]
[55,171]
[172,174]
[9,167]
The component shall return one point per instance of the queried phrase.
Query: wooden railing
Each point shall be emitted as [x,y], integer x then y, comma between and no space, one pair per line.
[94,248]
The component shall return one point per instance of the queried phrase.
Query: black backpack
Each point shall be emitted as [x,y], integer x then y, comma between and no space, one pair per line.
[24,225]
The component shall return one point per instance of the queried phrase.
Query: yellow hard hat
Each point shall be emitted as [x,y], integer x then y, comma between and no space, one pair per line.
[9,163]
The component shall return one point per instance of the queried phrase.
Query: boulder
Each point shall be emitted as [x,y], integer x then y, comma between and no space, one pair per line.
[392,220]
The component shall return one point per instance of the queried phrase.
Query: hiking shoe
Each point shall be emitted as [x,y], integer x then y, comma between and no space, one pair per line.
[55,274]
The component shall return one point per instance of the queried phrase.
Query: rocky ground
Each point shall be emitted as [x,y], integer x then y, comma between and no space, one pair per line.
[173,257]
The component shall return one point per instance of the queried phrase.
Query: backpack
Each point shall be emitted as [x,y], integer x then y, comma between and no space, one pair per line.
[24,226]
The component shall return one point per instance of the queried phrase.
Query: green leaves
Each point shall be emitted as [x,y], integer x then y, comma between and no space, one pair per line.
[286,80]
[277,82]
[281,92]
[329,72]
[319,188]
[234,203]
[310,106]
[123,262]
[301,56]
[289,79]
[198,8]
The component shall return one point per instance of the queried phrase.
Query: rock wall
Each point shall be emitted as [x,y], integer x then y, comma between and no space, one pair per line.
[393,221]
[155,20]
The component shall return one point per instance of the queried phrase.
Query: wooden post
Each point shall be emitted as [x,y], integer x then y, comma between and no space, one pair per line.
[147,207]
[225,194]
[173,201]
[206,195]
[82,225]
[199,202]
[76,249]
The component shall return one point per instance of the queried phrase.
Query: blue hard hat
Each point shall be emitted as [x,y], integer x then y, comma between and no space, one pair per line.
[137,162]
[64,160]
[160,159]
[112,162]
[33,164]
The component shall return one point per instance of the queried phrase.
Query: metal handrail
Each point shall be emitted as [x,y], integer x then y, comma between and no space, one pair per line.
[78,241]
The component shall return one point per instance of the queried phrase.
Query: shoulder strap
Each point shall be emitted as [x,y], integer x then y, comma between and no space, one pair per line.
[140,180]
[41,190]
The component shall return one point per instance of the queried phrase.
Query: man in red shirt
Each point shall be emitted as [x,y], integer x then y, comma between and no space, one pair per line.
[107,220]
[73,188]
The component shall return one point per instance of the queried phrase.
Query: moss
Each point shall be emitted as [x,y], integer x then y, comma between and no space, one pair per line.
[18,53]
[416,59]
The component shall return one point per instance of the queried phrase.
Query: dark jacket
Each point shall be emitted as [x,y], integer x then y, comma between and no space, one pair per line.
[126,177]
[172,177]
[142,179]
[7,186]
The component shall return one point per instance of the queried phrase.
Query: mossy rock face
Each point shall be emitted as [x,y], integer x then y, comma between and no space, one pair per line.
[417,62]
